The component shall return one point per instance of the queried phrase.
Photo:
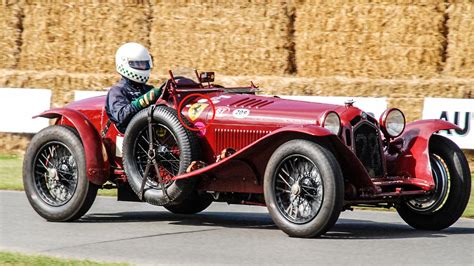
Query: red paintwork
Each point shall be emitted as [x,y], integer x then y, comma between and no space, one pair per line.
[263,125]
[413,159]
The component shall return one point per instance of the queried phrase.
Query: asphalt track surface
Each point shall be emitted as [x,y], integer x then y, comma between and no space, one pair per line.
[226,234]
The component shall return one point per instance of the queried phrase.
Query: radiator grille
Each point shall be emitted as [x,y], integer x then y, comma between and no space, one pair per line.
[237,138]
[368,149]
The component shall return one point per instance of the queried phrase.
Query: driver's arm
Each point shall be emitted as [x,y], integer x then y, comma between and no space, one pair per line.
[148,98]
[120,110]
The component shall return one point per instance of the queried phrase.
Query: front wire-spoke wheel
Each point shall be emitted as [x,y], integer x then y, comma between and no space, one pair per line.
[303,188]
[436,198]
[443,206]
[54,175]
[299,189]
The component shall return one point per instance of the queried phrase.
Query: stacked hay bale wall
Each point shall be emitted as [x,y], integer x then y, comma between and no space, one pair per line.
[407,94]
[231,38]
[369,38]
[80,36]
[402,49]
[460,52]
[10,34]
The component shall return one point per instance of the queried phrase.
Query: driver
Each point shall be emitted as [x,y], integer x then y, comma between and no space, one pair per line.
[130,94]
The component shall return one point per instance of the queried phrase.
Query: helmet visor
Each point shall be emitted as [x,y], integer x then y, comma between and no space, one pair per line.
[140,65]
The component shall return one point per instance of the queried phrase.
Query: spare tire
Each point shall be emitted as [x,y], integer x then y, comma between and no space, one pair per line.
[175,148]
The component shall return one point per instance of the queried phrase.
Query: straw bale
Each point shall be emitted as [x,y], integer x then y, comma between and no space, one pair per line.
[460,52]
[10,34]
[380,2]
[14,143]
[227,37]
[369,39]
[62,83]
[406,94]
[470,157]
[80,36]
[363,87]
[412,107]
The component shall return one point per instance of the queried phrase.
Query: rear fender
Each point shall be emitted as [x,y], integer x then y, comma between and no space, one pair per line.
[249,163]
[97,163]
[413,158]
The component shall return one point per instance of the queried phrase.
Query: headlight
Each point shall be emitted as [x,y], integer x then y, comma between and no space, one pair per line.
[392,122]
[332,122]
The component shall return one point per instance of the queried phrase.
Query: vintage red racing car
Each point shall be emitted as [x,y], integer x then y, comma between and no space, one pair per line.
[202,142]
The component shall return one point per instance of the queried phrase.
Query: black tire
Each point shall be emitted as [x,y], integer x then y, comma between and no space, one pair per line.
[134,156]
[447,202]
[323,191]
[54,175]
[194,203]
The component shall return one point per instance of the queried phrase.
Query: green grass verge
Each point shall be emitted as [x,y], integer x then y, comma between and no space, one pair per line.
[11,175]
[11,258]
[11,167]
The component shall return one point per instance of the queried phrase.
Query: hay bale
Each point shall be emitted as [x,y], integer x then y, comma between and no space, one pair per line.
[62,83]
[470,158]
[357,87]
[460,52]
[406,94]
[10,34]
[369,38]
[14,143]
[80,36]
[412,107]
[228,37]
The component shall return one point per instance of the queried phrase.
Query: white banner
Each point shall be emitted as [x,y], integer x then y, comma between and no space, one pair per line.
[457,111]
[80,95]
[18,106]
[374,106]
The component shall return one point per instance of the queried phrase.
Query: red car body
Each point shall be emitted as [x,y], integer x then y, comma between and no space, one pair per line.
[271,121]
[305,161]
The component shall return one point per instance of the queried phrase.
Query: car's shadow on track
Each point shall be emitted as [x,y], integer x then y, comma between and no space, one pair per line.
[344,229]
[366,229]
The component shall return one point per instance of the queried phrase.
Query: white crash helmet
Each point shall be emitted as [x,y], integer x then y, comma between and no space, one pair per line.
[133,61]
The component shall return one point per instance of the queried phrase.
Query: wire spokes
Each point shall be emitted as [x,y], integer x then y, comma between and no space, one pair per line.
[167,154]
[298,188]
[55,173]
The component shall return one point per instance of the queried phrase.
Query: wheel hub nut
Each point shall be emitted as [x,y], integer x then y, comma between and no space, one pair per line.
[295,189]
[52,173]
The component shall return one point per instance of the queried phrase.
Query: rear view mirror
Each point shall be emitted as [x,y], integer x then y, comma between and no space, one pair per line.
[206,77]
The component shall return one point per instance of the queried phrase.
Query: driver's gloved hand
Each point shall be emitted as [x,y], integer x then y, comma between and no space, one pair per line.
[147,99]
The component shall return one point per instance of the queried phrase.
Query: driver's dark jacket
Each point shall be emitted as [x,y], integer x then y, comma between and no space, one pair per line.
[119,98]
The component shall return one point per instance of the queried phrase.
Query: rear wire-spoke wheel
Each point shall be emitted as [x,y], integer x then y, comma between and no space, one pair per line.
[54,175]
[445,204]
[56,172]
[174,146]
[303,188]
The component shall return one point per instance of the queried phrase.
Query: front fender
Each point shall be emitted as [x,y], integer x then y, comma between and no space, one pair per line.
[250,162]
[413,158]
[97,163]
